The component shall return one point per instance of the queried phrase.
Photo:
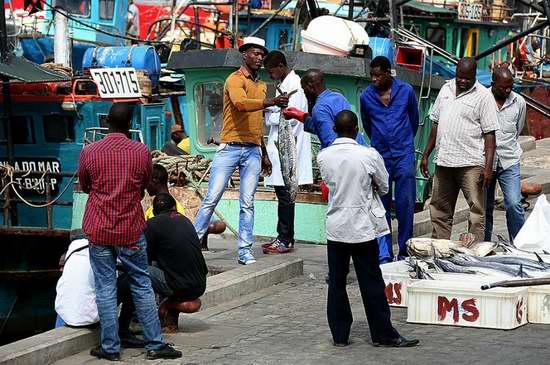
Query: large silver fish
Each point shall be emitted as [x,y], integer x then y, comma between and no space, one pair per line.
[517,260]
[288,156]
[447,266]
[513,270]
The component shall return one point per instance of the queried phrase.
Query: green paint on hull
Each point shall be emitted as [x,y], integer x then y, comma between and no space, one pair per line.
[309,221]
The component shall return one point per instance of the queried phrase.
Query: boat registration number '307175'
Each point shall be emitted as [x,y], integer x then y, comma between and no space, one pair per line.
[116,82]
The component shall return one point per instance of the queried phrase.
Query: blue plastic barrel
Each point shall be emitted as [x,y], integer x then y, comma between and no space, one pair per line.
[382,47]
[139,57]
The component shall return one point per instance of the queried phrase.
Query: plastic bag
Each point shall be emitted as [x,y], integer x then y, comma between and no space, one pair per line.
[535,234]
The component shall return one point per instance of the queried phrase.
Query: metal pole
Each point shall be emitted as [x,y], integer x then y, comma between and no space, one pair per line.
[4,57]
[197,26]
[506,42]
[62,49]
[393,15]
[230,23]
[350,9]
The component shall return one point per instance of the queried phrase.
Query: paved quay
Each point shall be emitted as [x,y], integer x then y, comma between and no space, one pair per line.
[286,324]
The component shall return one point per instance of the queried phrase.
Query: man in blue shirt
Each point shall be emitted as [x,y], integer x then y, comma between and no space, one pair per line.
[326,105]
[389,111]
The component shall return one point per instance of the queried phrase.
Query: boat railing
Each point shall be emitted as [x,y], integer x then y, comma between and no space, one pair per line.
[94,134]
[9,185]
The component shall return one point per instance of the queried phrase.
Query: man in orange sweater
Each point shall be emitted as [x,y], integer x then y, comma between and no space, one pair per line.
[241,144]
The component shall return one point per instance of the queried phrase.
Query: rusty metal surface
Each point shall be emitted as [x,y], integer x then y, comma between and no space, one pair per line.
[6,232]
[42,275]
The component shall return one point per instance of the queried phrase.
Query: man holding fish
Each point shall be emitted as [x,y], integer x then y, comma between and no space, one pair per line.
[289,150]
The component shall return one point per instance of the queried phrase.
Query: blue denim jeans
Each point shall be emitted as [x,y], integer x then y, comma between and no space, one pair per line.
[134,261]
[510,183]
[227,159]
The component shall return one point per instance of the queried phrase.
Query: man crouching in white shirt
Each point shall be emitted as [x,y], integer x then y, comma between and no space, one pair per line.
[75,300]
[355,175]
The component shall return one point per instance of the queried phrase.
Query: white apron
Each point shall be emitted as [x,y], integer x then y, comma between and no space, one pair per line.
[303,139]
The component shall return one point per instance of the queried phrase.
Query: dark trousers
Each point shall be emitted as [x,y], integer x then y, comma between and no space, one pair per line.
[371,285]
[285,224]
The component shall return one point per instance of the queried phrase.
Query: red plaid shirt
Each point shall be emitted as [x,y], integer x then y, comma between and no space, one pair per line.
[114,172]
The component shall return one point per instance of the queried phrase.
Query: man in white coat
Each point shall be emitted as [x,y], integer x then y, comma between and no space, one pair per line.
[277,67]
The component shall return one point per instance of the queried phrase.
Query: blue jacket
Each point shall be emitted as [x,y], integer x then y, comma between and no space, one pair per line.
[391,128]
[323,115]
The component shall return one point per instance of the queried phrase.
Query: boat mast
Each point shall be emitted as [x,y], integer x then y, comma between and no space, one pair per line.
[62,47]
[6,115]
[4,56]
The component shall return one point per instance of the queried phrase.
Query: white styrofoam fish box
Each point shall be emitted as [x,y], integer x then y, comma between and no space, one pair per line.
[538,304]
[456,303]
[396,277]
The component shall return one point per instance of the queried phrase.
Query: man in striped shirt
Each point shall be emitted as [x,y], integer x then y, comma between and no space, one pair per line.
[114,172]
[464,123]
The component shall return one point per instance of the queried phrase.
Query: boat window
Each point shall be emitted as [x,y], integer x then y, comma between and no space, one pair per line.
[21,130]
[209,111]
[106,9]
[283,39]
[80,7]
[58,128]
[474,43]
[102,118]
[154,140]
[455,40]
[436,36]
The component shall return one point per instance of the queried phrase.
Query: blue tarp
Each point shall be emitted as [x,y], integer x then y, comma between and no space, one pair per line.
[447,70]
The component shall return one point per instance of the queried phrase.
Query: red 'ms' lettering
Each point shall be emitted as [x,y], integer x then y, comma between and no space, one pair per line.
[397,289]
[389,293]
[470,306]
[444,306]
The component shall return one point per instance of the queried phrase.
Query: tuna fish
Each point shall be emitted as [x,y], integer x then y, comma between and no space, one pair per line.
[517,260]
[447,266]
[286,145]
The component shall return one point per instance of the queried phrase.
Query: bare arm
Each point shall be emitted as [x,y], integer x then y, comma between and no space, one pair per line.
[428,150]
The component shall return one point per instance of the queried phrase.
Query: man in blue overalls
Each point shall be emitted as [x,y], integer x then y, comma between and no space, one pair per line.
[389,111]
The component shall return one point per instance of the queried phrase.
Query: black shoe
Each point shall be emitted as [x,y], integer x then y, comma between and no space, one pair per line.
[342,344]
[100,354]
[167,352]
[398,342]
[129,341]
